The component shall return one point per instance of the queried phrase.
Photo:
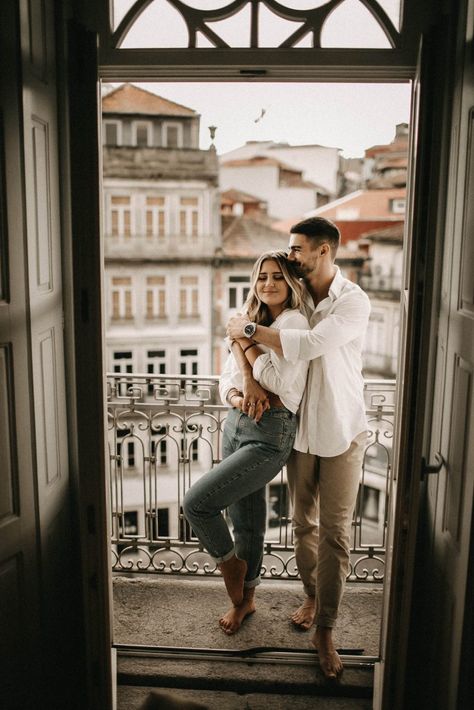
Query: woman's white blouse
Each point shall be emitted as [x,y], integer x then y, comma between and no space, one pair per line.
[272,371]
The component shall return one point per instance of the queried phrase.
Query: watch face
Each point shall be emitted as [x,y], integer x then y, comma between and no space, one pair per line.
[250,329]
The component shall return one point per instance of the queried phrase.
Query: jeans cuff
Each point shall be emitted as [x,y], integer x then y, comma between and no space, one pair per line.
[325,621]
[225,557]
[252,583]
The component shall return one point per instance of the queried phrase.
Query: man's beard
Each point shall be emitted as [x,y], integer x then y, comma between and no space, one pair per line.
[301,270]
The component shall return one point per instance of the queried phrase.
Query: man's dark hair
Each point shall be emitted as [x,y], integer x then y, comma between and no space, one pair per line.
[319,230]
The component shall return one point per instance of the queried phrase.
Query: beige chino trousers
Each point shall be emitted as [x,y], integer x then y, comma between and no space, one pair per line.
[322,546]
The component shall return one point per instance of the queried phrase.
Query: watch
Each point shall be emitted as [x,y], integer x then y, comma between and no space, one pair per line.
[249,329]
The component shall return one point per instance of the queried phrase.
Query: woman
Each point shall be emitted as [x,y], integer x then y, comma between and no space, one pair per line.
[255,446]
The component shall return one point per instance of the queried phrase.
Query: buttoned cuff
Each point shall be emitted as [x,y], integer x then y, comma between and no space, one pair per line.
[290,344]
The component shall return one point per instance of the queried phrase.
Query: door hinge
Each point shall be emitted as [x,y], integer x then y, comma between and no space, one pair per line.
[427,468]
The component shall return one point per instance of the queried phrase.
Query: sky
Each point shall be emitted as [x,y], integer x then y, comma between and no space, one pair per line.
[351,117]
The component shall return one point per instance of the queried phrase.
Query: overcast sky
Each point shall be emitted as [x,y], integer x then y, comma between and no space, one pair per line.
[348,116]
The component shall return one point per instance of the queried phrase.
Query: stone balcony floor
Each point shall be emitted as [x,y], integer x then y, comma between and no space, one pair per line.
[183,612]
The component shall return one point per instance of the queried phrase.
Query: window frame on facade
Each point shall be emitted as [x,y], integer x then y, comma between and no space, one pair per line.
[122,298]
[118,126]
[156,207]
[189,217]
[120,216]
[398,205]
[156,297]
[240,285]
[188,302]
[149,133]
[179,134]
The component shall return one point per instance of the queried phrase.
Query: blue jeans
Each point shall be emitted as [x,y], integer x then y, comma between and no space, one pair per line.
[253,454]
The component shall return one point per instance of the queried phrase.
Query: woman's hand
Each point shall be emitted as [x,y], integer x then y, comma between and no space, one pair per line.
[237,401]
[255,399]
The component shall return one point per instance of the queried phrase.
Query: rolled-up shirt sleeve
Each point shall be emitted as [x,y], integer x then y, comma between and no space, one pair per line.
[276,373]
[348,320]
[225,380]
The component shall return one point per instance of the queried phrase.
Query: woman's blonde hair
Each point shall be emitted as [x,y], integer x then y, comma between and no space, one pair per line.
[256,310]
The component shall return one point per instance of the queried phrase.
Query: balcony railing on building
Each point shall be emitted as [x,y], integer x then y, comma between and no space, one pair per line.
[165,431]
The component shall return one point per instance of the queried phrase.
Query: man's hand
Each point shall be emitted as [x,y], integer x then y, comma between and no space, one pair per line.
[235,327]
[255,400]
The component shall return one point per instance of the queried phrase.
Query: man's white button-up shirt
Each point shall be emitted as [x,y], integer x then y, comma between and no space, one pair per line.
[332,411]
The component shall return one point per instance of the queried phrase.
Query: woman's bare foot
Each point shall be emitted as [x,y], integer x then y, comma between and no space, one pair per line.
[233,572]
[304,615]
[232,620]
[329,659]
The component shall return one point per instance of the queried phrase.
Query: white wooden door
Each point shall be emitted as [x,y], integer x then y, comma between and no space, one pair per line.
[426,601]
[36,554]
[450,423]
[19,558]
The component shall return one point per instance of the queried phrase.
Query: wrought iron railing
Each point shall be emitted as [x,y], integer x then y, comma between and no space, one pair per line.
[165,431]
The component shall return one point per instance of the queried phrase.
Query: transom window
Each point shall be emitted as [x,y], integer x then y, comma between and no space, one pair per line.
[256,24]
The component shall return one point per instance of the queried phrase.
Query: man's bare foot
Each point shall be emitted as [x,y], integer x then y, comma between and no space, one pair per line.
[304,615]
[233,572]
[329,659]
[232,620]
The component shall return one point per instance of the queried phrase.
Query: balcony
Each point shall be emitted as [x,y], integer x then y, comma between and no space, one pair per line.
[165,431]
[166,247]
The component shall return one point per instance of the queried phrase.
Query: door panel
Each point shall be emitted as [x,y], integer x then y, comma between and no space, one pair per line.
[35,545]
[441,569]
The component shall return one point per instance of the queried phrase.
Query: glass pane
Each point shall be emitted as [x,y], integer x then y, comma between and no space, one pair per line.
[272,29]
[182,222]
[352,25]
[235,30]
[119,8]
[171,137]
[393,9]
[149,223]
[160,25]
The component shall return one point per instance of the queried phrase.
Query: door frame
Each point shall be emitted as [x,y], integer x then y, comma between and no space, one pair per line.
[377,66]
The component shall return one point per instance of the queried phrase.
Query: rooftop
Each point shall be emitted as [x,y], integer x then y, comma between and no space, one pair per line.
[130,99]
[247,237]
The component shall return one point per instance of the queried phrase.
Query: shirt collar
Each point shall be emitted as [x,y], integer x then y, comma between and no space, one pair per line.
[337,284]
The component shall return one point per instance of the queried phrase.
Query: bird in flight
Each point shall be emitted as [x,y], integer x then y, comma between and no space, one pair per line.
[262,114]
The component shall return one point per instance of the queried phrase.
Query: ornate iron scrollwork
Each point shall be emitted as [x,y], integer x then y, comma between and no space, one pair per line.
[310,21]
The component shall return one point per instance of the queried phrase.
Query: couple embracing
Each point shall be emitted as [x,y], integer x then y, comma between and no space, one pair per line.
[294,384]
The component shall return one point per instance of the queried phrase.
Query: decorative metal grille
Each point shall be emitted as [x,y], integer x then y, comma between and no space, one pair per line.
[165,431]
[254,23]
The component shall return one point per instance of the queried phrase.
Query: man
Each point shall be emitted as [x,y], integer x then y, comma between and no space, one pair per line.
[324,467]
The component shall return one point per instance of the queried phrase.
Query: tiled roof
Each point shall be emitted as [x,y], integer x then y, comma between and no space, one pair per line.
[370,204]
[130,99]
[256,162]
[400,145]
[232,195]
[247,237]
[388,234]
